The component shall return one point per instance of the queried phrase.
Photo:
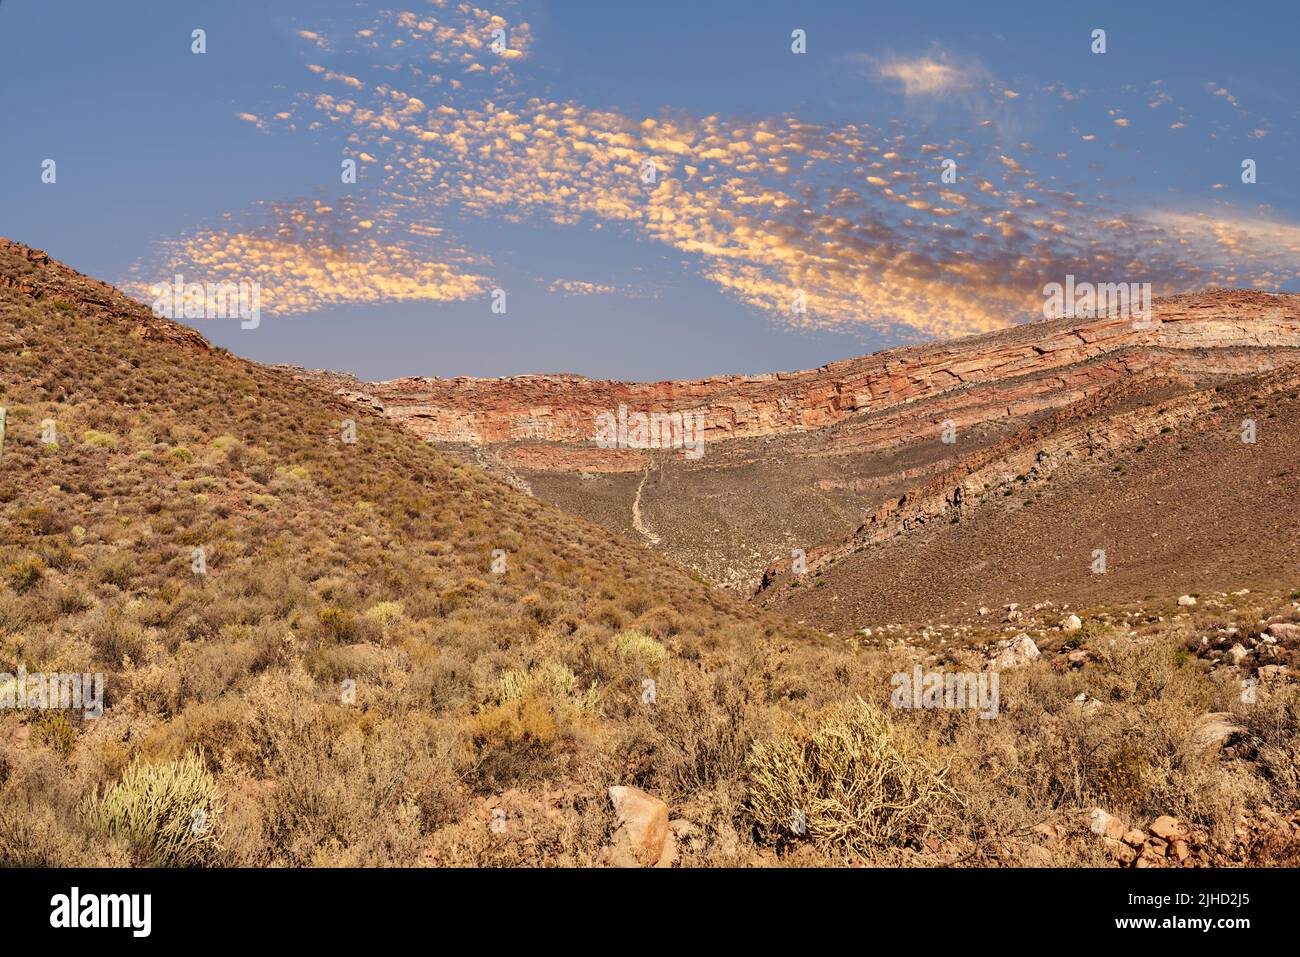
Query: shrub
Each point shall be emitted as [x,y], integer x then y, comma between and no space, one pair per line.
[705,729]
[25,575]
[100,440]
[1274,726]
[848,781]
[386,614]
[115,569]
[640,647]
[41,520]
[55,730]
[511,741]
[1092,630]
[295,472]
[116,639]
[71,601]
[338,625]
[167,813]
[552,680]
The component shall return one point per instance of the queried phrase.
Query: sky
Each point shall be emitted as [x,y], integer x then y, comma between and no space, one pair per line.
[646,191]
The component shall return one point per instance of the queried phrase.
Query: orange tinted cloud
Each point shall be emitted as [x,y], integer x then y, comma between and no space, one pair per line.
[308,254]
[852,222]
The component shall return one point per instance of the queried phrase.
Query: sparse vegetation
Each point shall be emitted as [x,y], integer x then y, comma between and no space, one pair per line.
[348,682]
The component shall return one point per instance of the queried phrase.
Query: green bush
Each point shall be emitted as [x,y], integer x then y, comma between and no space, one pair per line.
[167,813]
[100,440]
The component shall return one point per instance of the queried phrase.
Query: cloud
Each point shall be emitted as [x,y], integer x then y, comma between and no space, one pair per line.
[930,76]
[579,287]
[851,221]
[309,254]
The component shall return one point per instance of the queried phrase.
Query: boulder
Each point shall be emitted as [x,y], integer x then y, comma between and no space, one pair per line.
[642,835]
[1135,837]
[1072,623]
[1186,601]
[1215,729]
[1036,856]
[1106,825]
[1018,651]
[1169,829]
[1119,850]
[1284,630]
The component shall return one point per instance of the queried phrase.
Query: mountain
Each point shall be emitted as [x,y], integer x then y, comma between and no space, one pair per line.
[800,460]
[315,651]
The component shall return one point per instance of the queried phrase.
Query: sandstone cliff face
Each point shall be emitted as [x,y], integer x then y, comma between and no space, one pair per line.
[1034,366]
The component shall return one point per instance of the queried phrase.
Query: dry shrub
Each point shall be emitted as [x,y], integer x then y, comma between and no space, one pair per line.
[642,650]
[386,615]
[24,575]
[705,728]
[55,730]
[660,622]
[856,782]
[528,719]
[1274,727]
[223,730]
[1128,748]
[346,792]
[116,639]
[511,741]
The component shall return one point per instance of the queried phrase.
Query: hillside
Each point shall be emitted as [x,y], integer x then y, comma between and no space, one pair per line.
[798,460]
[1154,472]
[319,652]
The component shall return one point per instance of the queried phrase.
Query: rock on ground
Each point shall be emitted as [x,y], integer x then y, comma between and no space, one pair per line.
[1020,650]
[643,838]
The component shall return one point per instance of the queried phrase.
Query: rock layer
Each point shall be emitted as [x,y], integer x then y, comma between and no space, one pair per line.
[1248,331]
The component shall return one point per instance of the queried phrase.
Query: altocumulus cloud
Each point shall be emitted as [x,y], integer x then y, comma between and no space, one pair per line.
[851,221]
[307,254]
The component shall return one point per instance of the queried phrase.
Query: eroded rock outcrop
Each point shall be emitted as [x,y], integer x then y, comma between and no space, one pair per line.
[1030,367]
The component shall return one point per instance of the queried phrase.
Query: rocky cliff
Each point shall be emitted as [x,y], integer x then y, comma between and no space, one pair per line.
[1030,366]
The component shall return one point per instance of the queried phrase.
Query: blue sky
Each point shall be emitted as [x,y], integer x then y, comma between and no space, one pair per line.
[778,177]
